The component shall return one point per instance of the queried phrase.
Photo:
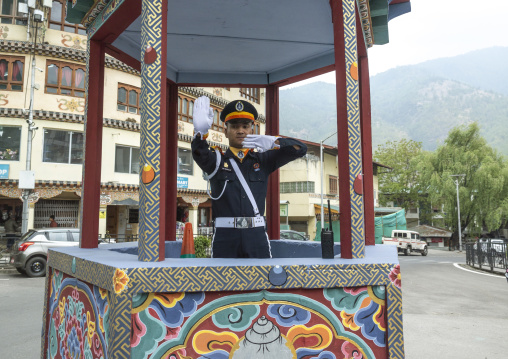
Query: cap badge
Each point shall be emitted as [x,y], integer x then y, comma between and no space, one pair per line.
[239,106]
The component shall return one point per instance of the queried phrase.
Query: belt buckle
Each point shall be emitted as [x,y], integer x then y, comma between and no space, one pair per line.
[243,222]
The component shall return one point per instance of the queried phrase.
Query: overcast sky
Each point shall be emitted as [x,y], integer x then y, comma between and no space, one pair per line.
[438,28]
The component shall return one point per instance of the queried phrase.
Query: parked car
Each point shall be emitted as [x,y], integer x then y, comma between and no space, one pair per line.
[31,251]
[289,234]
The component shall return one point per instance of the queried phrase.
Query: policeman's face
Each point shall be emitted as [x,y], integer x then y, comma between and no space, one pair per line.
[237,131]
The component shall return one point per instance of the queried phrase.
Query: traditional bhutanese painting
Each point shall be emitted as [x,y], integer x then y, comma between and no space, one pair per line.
[326,324]
[78,317]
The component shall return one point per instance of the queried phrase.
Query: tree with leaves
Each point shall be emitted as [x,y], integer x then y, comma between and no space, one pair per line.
[403,184]
[483,188]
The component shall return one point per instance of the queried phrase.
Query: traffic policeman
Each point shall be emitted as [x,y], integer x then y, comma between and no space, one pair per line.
[239,177]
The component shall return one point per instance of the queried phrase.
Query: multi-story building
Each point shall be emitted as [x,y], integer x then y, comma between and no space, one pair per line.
[300,189]
[58,50]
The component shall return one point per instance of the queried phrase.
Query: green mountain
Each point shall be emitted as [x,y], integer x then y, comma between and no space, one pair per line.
[420,102]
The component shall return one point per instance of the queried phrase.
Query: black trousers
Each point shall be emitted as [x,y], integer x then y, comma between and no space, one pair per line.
[240,243]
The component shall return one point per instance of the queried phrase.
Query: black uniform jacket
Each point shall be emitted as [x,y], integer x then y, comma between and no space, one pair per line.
[255,167]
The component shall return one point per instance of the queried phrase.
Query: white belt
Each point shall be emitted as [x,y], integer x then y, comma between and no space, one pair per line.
[239,222]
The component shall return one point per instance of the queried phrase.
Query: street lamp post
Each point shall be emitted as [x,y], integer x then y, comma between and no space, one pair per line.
[458,208]
[322,175]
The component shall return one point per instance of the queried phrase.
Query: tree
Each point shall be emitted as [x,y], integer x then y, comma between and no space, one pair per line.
[403,183]
[482,189]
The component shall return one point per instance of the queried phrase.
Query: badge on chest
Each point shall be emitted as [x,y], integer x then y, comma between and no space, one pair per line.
[225,167]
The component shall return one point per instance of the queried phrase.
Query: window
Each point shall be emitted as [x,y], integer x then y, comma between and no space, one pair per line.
[64,78]
[10,141]
[185,109]
[333,184]
[11,73]
[185,161]
[217,124]
[297,187]
[250,93]
[10,14]
[58,236]
[256,128]
[127,159]
[63,147]
[128,99]
[57,21]
[133,215]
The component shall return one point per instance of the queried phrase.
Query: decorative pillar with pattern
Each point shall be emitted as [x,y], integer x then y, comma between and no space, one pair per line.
[348,130]
[153,130]
[93,144]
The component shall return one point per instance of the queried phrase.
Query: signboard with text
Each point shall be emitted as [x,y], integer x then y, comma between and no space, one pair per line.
[4,171]
[182,182]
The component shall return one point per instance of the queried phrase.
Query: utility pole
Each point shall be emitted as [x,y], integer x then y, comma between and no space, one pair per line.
[458,208]
[38,17]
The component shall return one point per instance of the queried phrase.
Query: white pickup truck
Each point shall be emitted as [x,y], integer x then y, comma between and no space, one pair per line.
[407,242]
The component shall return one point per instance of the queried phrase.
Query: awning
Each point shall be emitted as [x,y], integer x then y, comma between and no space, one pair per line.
[125,202]
[334,209]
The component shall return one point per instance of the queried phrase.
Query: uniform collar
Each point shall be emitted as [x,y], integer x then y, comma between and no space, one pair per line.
[239,153]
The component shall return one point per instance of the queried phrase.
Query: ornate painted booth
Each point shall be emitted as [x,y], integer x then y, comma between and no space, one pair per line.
[141,300]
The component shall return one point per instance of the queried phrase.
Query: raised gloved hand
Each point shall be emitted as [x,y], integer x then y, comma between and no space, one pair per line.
[261,143]
[202,116]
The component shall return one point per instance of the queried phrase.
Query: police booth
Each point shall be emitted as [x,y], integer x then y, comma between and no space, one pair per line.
[140,299]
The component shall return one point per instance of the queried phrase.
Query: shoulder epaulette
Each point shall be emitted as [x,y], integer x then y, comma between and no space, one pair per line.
[218,148]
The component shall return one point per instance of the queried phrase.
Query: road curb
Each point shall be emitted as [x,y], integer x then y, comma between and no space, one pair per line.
[7,269]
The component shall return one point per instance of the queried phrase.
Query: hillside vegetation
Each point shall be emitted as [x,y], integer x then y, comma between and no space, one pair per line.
[419,102]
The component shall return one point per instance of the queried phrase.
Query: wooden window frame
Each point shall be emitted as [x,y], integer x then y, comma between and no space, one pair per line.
[333,184]
[129,88]
[62,24]
[10,61]
[14,18]
[218,125]
[59,87]
[251,93]
[185,116]
[256,128]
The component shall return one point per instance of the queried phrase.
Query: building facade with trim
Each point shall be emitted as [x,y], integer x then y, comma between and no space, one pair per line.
[59,50]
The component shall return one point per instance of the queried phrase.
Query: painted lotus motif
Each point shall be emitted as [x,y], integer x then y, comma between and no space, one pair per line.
[76,320]
[395,276]
[120,280]
[264,324]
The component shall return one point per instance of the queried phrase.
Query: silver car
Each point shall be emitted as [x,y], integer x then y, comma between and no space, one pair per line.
[289,234]
[31,251]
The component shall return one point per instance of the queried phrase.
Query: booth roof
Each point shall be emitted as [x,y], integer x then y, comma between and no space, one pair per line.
[247,42]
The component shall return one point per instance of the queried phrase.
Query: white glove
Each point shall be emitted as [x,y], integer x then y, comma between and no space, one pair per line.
[202,116]
[262,143]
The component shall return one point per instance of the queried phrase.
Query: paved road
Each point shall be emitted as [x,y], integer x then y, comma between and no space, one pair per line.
[448,312]
[21,303]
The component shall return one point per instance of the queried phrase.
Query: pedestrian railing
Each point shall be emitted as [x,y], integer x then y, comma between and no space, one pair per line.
[487,255]
[6,244]
[118,238]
